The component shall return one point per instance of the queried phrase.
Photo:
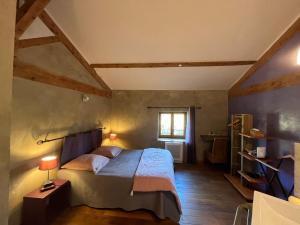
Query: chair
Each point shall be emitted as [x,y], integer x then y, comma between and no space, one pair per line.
[218,153]
[243,212]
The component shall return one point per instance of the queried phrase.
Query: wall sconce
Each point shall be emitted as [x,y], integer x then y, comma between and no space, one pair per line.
[298,56]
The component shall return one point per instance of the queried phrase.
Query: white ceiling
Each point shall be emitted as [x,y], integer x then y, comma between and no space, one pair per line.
[191,78]
[123,31]
[37,29]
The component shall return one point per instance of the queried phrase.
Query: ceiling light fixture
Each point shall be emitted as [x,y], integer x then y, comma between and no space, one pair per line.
[179,65]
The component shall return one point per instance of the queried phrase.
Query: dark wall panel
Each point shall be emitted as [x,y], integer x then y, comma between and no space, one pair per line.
[276,112]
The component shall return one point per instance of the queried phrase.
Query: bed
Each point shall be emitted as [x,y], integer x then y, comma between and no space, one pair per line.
[112,186]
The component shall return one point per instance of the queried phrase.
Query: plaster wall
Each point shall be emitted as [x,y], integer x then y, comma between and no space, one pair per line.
[7,24]
[137,126]
[57,59]
[39,109]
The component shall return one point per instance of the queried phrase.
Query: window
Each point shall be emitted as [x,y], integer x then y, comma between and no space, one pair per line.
[172,125]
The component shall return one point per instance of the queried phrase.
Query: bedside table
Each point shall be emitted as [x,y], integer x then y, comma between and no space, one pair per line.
[40,208]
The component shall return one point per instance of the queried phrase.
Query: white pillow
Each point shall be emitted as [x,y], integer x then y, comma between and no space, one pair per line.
[108,151]
[89,162]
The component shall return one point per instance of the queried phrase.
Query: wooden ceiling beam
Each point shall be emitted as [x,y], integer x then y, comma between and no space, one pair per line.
[281,82]
[27,15]
[34,73]
[172,64]
[63,38]
[294,28]
[25,43]
[21,10]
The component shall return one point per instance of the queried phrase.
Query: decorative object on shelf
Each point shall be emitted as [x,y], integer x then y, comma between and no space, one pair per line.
[256,133]
[261,152]
[48,163]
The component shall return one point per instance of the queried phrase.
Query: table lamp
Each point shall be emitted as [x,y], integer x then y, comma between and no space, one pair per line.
[112,136]
[48,163]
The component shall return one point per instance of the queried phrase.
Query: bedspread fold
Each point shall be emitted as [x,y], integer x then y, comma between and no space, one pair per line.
[155,172]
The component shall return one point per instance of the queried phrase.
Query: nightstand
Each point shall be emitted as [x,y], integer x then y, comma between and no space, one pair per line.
[40,208]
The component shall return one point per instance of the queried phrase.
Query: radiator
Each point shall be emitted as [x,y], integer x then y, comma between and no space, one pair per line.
[176,149]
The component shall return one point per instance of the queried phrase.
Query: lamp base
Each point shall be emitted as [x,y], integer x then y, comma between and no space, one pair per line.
[49,184]
[47,188]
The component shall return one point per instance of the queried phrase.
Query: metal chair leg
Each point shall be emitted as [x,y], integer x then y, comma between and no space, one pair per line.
[238,214]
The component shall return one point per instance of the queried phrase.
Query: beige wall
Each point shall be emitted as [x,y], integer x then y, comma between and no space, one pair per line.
[7,26]
[137,126]
[38,109]
[297,170]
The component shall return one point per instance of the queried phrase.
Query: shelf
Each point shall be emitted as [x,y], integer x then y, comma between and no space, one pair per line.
[252,180]
[252,137]
[247,193]
[252,158]
[247,156]
[262,161]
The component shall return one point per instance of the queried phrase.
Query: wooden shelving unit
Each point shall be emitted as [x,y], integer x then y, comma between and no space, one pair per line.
[252,180]
[243,181]
[240,123]
[246,192]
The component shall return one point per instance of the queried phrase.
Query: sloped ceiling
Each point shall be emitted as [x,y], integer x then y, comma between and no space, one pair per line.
[124,31]
[36,29]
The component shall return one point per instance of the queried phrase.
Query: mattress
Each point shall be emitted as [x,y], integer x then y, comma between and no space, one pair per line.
[112,186]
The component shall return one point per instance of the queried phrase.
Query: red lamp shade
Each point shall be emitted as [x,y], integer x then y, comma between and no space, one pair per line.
[48,163]
[112,136]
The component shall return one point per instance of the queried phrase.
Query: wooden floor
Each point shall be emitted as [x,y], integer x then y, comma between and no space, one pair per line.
[206,197]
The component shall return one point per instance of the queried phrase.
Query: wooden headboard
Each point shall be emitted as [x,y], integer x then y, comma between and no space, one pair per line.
[79,144]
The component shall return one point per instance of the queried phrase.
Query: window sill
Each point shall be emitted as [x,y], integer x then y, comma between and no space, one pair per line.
[171,140]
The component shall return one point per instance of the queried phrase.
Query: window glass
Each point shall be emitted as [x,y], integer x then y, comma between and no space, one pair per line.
[165,124]
[179,124]
[172,125]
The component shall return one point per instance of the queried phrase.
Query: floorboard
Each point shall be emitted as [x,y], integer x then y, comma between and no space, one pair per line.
[206,197]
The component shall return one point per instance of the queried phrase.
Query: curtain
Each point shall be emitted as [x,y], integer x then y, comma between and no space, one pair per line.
[190,136]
